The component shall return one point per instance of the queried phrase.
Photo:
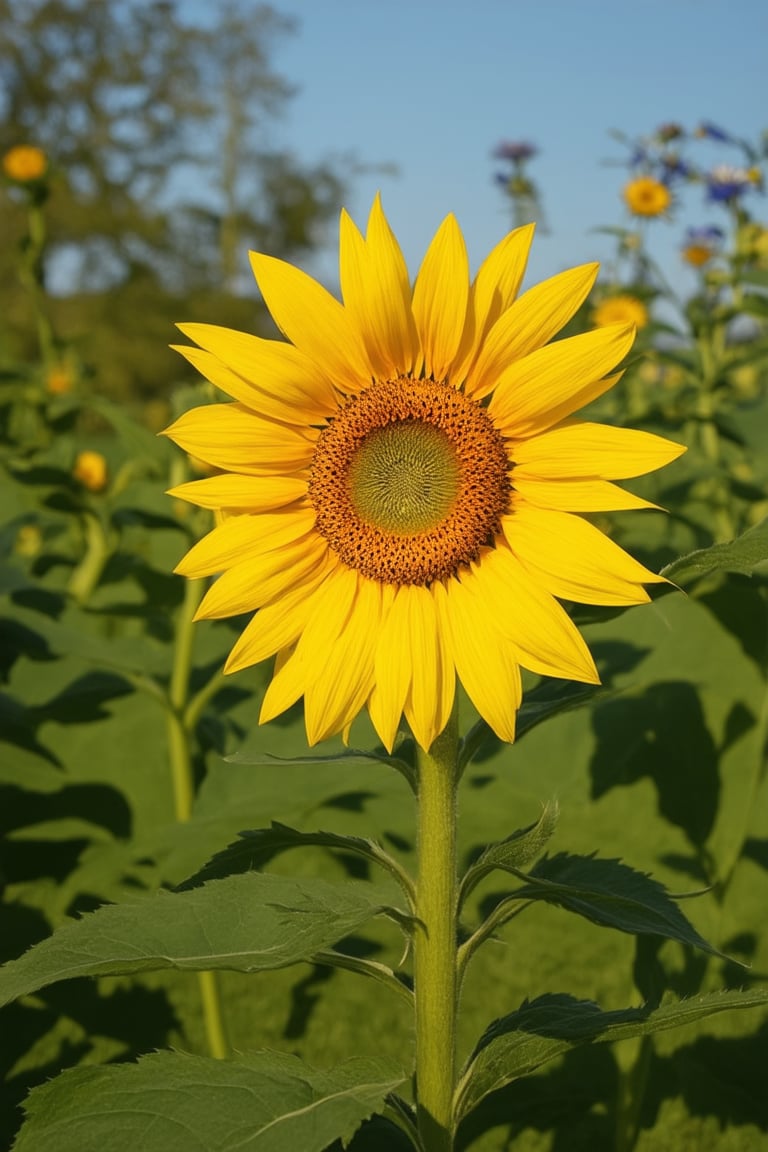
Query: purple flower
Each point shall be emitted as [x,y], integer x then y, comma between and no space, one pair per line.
[725,183]
[515,150]
[707,234]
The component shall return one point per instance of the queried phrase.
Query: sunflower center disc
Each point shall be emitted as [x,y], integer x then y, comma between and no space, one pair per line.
[404,477]
[409,481]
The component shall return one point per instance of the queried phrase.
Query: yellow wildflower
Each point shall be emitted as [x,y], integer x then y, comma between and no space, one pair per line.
[90,469]
[647,197]
[25,163]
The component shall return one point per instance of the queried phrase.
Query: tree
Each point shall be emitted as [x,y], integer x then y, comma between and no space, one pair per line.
[160,174]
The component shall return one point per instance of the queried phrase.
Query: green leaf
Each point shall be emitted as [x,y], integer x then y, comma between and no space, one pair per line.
[613,895]
[249,923]
[136,655]
[549,698]
[514,852]
[546,699]
[551,1025]
[352,757]
[13,579]
[174,1102]
[254,848]
[743,554]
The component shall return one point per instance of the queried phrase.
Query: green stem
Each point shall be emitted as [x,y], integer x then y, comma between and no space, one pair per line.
[213,1015]
[182,772]
[435,970]
[32,274]
[710,346]
[183,778]
[88,572]
[185,636]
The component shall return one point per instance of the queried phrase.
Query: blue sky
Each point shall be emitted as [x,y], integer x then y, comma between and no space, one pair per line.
[432,85]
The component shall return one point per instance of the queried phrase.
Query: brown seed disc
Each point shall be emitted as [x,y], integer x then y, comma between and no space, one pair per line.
[409,481]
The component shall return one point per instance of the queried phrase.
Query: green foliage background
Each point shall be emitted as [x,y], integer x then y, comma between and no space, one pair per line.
[104,675]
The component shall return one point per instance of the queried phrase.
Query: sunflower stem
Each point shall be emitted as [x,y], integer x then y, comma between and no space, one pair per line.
[435,969]
[180,727]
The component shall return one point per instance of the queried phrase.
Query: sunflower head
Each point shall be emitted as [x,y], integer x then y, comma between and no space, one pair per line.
[25,163]
[645,196]
[90,470]
[621,309]
[401,485]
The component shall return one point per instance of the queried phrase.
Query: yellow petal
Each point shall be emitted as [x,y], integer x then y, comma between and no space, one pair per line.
[392,671]
[543,637]
[231,437]
[529,323]
[433,678]
[280,623]
[267,376]
[577,495]
[340,670]
[284,688]
[574,560]
[440,298]
[493,290]
[314,321]
[240,537]
[484,659]
[537,392]
[413,670]
[377,295]
[592,451]
[254,582]
[533,397]
[244,493]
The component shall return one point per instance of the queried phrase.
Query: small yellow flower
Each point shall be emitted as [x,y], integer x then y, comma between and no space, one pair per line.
[697,255]
[646,196]
[59,380]
[25,163]
[622,309]
[91,470]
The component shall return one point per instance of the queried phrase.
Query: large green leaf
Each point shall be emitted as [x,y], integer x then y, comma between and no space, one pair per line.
[743,554]
[138,655]
[611,894]
[249,923]
[350,757]
[173,1102]
[551,1025]
[256,847]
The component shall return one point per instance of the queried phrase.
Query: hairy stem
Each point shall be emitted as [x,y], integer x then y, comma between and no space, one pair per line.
[435,971]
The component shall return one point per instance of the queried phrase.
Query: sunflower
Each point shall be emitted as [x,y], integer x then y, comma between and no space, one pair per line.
[90,468]
[621,309]
[647,197]
[401,484]
[24,163]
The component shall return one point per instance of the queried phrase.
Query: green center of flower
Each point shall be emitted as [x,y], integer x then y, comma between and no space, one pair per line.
[404,477]
[409,481]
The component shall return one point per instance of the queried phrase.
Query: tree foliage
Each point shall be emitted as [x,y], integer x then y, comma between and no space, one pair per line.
[162,174]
